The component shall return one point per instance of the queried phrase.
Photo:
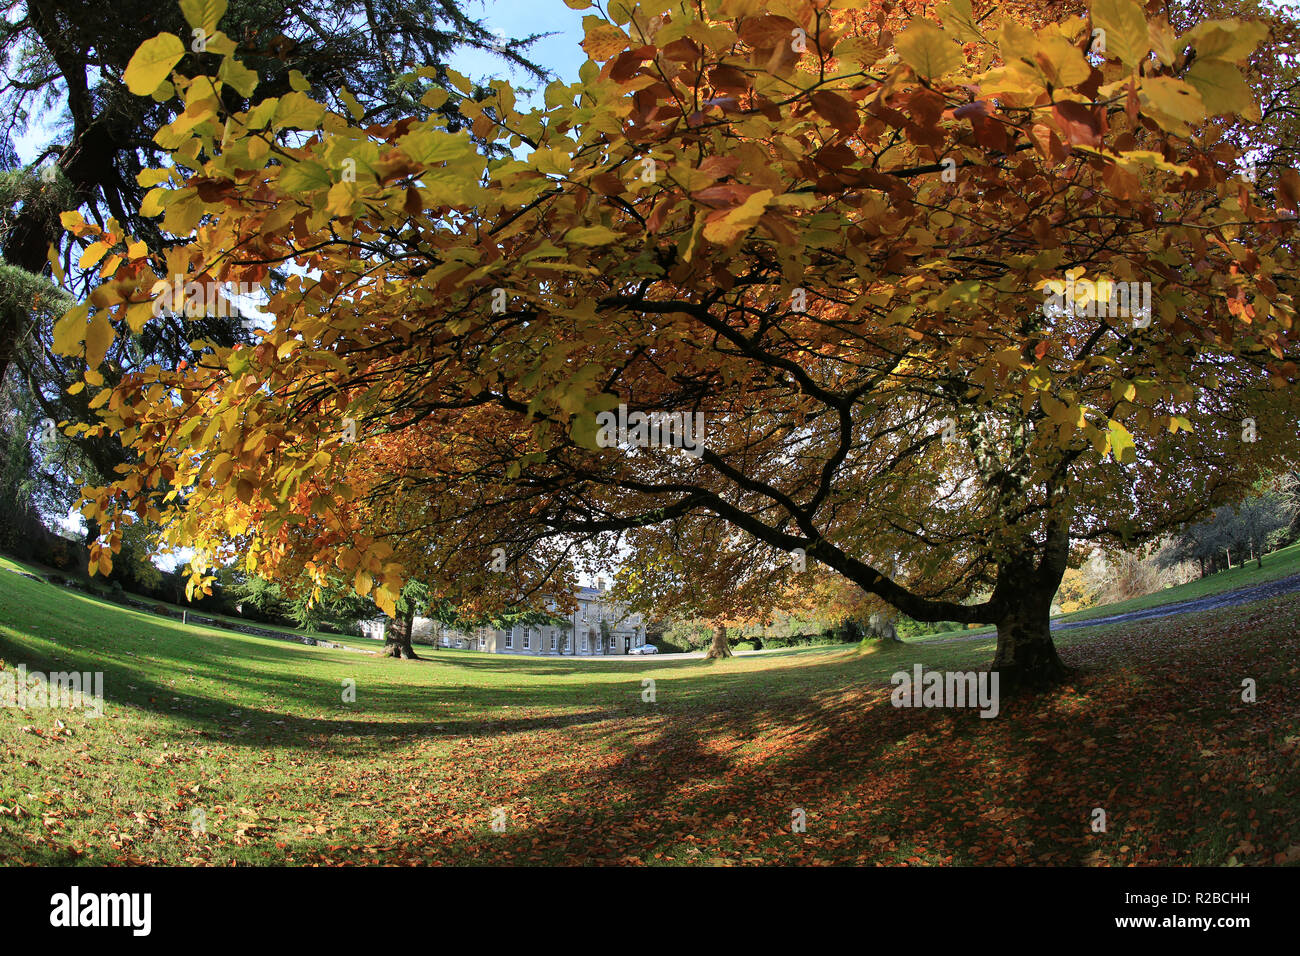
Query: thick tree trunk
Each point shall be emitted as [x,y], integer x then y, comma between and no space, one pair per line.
[397,639]
[1026,658]
[719,648]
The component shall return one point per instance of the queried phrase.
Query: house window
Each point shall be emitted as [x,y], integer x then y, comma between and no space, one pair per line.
[482,641]
[584,643]
[528,638]
[552,641]
[510,638]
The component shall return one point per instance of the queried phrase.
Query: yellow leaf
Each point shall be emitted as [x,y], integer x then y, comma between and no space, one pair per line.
[1162,40]
[1172,103]
[1125,35]
[138,314]
[1062,62]
[152,204]
[1223,89]
[342,198]
[152,62]
[203,14]
[928,50]
[1121,444]
[99,336]
[94,252]
[236,75]
[70,331]
[304,177]
[602,39]
[298,111]
[738,220]
[957,18]
[352,103]
[429,147]
[591,236]
[1230,40]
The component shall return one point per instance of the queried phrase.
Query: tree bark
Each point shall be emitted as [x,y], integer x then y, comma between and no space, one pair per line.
[397,639]
[719,648]
[1026,658]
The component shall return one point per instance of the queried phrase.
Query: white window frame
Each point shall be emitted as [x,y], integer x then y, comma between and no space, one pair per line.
[528,638]
[510,639]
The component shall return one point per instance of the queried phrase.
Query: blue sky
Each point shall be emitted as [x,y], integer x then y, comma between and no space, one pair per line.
[560,53]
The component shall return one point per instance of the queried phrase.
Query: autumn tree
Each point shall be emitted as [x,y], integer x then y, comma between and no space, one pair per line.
[703,572]
[943,296]
[66,60]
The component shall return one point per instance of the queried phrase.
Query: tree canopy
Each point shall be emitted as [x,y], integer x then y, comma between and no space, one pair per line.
[64,90]
[944,296]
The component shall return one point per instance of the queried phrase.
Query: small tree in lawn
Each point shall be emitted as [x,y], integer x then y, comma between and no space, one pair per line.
[414,600]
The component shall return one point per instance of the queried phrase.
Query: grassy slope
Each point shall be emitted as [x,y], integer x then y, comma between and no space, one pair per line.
[352,640]
[1280,564]
[253,731]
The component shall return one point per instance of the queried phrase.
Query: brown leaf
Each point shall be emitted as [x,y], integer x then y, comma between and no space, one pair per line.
[836,110]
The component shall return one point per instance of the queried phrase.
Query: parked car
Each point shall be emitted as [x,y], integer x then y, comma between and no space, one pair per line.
[644,649]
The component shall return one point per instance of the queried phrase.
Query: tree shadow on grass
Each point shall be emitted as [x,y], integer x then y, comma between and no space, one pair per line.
[1151,733]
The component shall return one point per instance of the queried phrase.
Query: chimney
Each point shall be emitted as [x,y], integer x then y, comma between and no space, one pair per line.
[600,584]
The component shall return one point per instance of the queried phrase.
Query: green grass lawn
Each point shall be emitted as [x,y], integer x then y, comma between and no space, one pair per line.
[254,734]
[98,587]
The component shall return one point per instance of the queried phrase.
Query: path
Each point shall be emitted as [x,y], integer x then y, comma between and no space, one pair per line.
[1247,595]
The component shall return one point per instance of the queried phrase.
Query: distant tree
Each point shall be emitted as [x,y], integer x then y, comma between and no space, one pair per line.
[1247,528]
[414,602]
